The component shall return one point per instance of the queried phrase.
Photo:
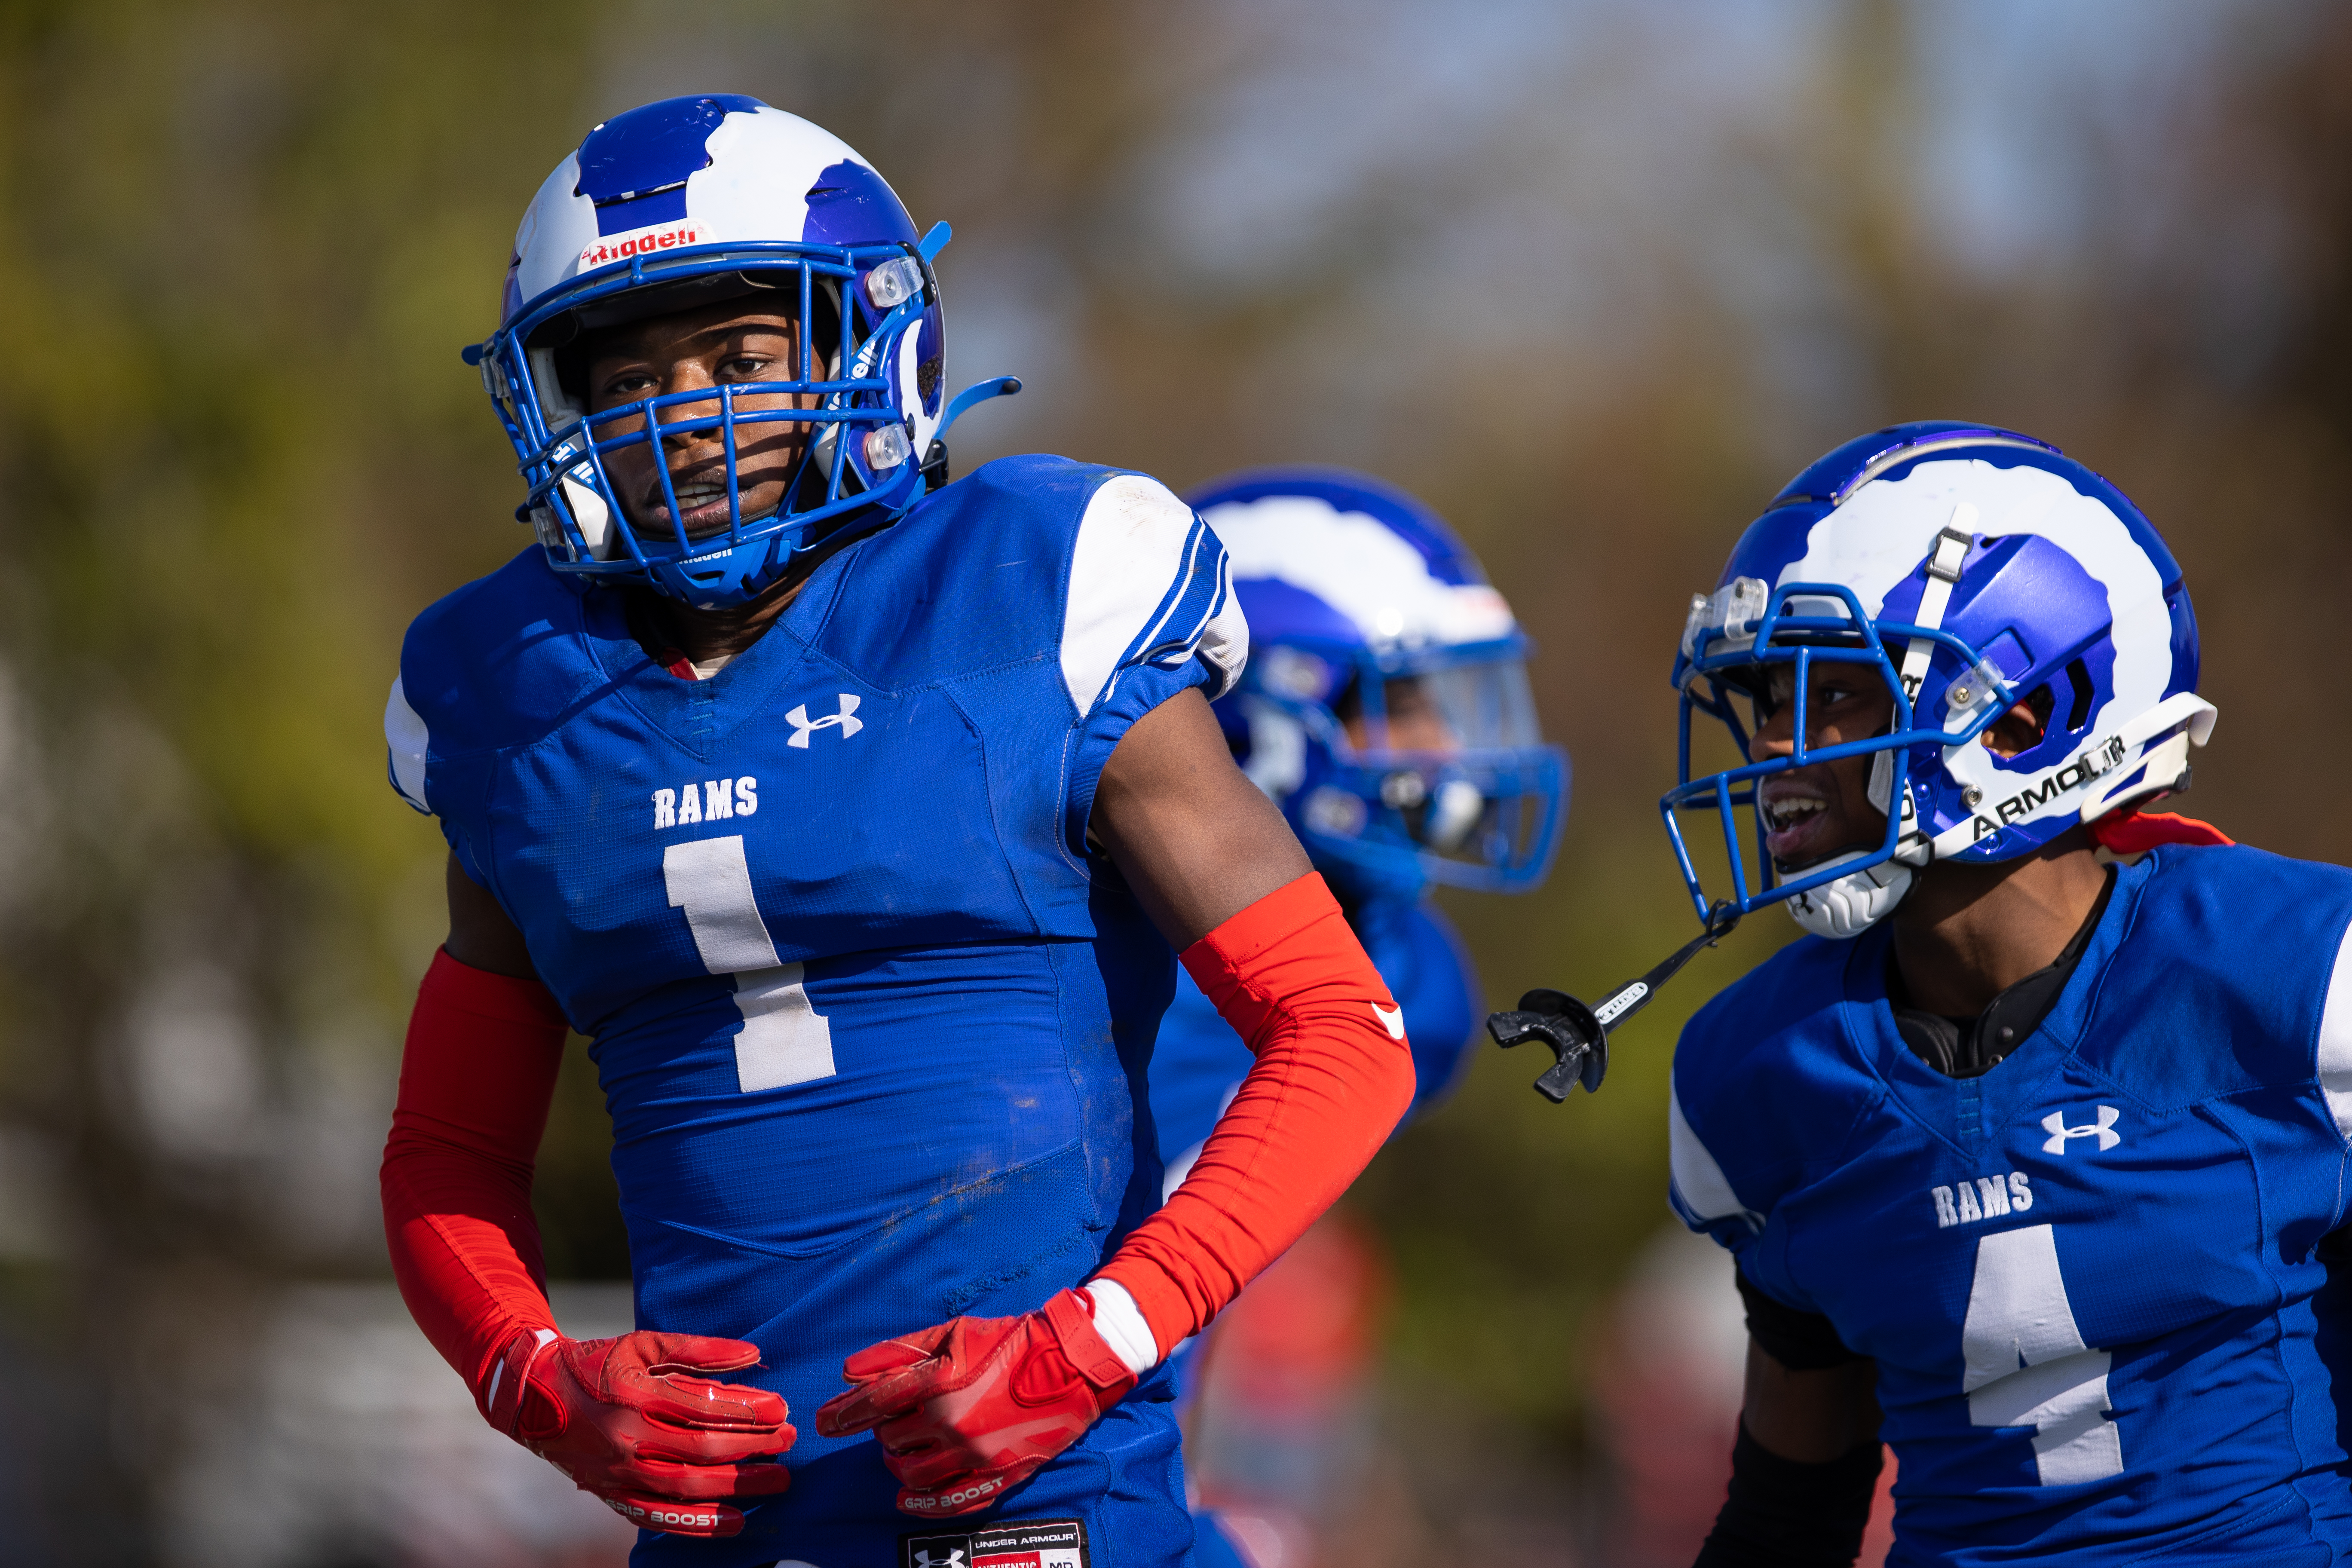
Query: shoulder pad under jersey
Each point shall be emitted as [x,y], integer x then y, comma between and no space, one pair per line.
[2227,979]
[497,662]
[1767,1087]
[1040,557]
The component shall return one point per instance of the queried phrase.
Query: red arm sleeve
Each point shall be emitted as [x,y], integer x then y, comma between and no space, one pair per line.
[475,1080]
[1332,1079]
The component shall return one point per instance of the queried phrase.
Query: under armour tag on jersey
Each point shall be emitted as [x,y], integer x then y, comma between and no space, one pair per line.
[1026,1543]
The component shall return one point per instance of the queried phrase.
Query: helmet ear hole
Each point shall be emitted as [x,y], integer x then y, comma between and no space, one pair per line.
[2009,736]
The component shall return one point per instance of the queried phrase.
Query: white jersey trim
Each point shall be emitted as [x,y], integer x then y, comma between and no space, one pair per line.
[1139,555]
[405,735]
[1701,1191]
[1224,640]
[2336,1040]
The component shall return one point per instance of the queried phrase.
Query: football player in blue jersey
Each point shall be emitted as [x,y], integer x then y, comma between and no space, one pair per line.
[2028,1155]
[1386,709]
[854,816]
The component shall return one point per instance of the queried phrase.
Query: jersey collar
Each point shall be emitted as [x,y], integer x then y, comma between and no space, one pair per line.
[1970,1112]
[699,716]
[1969,1047]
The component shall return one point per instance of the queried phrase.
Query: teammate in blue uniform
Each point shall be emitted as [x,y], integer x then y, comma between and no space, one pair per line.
[2029,1160]
[1355,589]
[1386,711]
[854,816]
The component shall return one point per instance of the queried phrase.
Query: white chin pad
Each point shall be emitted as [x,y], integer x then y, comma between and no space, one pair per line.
[595,518]
[1854,902]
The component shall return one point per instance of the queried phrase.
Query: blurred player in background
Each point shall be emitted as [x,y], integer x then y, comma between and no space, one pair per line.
[854,816]
[2028,1155]
[1386,711]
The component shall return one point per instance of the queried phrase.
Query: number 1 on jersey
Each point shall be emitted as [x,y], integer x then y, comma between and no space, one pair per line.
[2027,1363]
[783,1040]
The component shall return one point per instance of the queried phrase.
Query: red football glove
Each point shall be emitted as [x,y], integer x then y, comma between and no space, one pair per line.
[654,1446]
[969,1410]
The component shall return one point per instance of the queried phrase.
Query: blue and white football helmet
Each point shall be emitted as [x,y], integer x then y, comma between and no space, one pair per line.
[1352,586]
[1973,567]
[680,204]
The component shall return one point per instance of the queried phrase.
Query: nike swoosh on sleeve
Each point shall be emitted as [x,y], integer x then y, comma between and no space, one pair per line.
[1391,1020]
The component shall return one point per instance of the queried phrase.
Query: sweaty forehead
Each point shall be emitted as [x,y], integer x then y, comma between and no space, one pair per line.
[1783,676]
[689,331]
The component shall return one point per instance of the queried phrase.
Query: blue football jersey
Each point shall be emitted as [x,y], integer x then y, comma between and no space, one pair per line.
[872,1025]
[2093,1280]
[1200,1061]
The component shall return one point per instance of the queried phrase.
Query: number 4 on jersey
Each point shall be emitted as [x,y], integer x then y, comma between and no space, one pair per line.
[2027,1363]
[785,1040]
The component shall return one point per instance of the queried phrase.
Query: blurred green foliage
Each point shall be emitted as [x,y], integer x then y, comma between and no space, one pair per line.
[248,241]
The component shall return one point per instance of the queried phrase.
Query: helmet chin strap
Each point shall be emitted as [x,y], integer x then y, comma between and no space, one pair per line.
[1850,905]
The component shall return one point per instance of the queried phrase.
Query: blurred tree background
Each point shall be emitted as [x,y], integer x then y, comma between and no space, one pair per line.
[1593,278]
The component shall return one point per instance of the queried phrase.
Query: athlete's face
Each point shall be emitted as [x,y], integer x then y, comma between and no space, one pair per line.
[693,350]
[1813,812]
[1414,721]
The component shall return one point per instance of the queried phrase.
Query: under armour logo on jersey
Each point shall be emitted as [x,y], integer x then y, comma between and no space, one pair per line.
[1392,1019]
[954,1559]
[2103,1129]
[846,721]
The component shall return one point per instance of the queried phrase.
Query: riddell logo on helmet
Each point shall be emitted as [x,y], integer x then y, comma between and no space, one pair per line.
[615,248]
